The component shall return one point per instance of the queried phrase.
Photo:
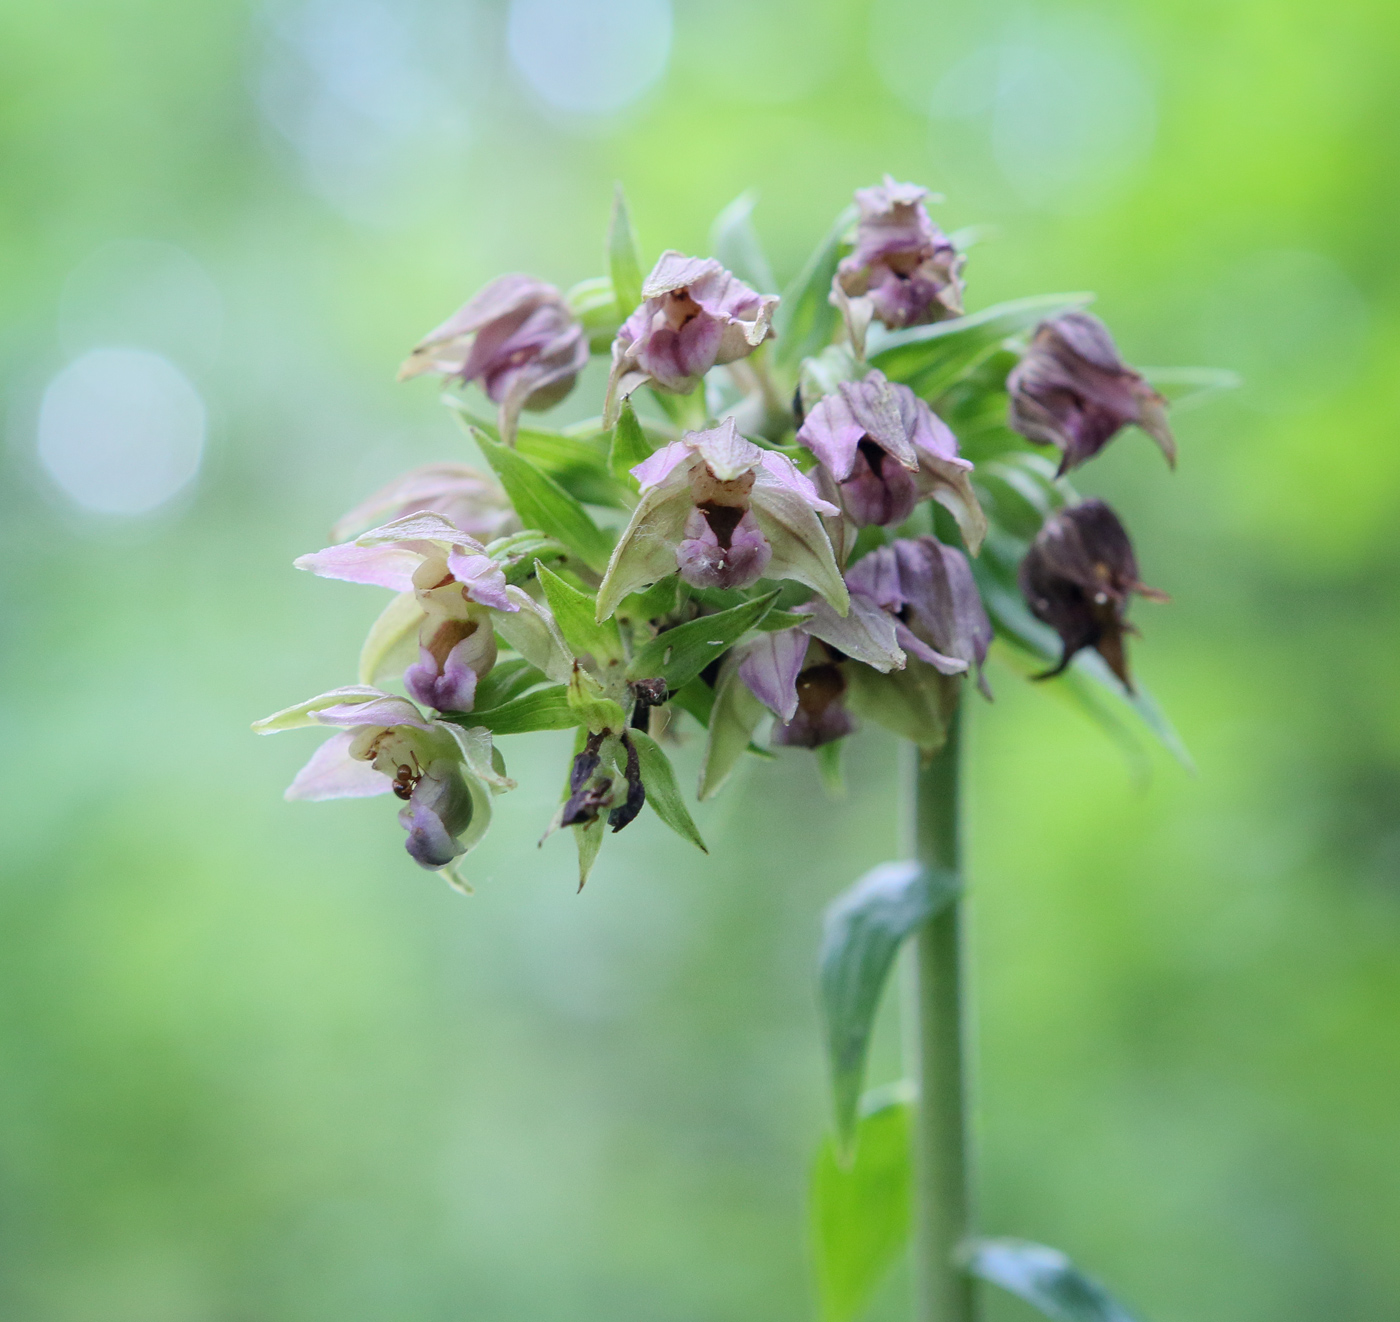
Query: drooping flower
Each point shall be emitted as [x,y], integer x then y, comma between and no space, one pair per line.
[886,449]
[820,716]
[724,513]
[385,744]
[469,500]
[1073,391]
[517,337]
[1078,578]
[694,315]
[455,586]
[903,271]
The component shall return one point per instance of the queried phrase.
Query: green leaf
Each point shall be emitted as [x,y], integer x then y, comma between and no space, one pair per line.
[930,359]
[732,719]
[629,445]
[697,698]
[659,778]
[829,768]
[679,654]
[624,261]
[544,709]
[573,612]
[505,681]
[1044,1278]
[861,934]
[1185,387]
[650,604]
[589,838]
[578,466]
[861,1209]
[805,318]
[595,305]
[734,243]
[542,503]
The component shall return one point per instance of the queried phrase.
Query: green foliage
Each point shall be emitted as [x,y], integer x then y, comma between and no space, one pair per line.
[736,246]
[861,935]
[861,1206]
[542,503]
[805,319]
[629,445]
[1045,1279]
[573,612]
[624,260]
[663,794]
[544,709]
[678,655]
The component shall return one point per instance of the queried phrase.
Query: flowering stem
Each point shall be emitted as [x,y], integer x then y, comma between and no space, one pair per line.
[943,1292]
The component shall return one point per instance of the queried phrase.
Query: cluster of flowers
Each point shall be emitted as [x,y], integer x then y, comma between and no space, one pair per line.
[730,558]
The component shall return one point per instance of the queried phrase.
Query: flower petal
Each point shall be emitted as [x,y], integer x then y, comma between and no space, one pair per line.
[646,551]
[380,566]
[333,774]
[801,549]
[393,639]
[770,664]
[866,633]
[482,577]
[304,713]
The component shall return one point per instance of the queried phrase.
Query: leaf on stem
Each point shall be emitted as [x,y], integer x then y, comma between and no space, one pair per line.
[545,709]
[732,717]
[624,261]
[574,614]
[629,445]
[680,654]
[861,934]
[1044,1278]
[930,359]
[542,503]
[663,794]
[861,1208]
[805,318]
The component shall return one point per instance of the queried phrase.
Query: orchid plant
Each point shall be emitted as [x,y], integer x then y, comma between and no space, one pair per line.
[793,515]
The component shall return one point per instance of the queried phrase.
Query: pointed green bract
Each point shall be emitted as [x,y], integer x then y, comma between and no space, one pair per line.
[735,245]
[930,359]
[624,261]
[663,794]
[1044,1278]
[542,503]
[733,717]
[861,1207]
[861,934]
[1185,387]
[545,709]
[589,839]
[680,654]
[629,445]
[805,318]
[573,612]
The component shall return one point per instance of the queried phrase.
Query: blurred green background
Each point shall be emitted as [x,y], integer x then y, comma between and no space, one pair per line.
[255,1067]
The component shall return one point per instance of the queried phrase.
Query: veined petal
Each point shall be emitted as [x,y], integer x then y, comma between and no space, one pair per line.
[392,644]
[786,474]
[646,551]
[948,483]
[916,647]
[801,550]
[381,566]
[333,774]
[479,755]
[728,454]
[770,664]
[304,713]
[384,709]
[866,633]
[656,468]
[423,526]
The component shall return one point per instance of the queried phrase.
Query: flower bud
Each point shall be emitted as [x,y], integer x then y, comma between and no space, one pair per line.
[1073,391]
[903,271]
[694,315]
[1078,577]
[469,500]
[517,337]
[886,449]
[821,716]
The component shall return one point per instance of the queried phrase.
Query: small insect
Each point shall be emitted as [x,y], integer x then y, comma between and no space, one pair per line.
[406,780]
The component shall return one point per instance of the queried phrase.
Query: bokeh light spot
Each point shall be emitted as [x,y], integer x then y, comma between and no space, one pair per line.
[121,431]
[590,56]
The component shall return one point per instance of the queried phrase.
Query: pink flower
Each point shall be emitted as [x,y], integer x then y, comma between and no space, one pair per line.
[466,498]
[517,337]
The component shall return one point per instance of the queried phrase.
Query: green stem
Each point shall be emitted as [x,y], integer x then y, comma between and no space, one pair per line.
[943,1292]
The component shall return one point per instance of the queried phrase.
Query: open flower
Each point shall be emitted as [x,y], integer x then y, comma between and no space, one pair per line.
[469,500]
[694,315]
[384,744]
[724,513]
[1072,390]
[886,449]
[517,337]
[454,587]
[903,271]
[1078,578]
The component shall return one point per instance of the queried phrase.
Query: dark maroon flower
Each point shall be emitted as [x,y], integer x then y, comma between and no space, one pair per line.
[1073,391]
[1078,578]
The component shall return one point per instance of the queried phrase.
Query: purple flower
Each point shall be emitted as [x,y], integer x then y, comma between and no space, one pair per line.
[449,588]
[886,449]
[384,744]
[904,271]
[723,512]
[694,315]
[469,500]
[1078,578]
[1072,390]
[821,716]
[517,337]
